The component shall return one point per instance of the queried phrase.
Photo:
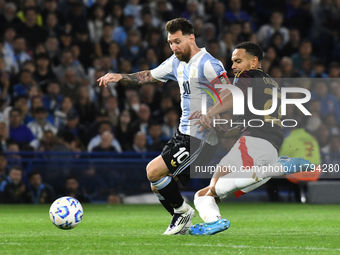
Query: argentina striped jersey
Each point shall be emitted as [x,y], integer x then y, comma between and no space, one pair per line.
[195,79]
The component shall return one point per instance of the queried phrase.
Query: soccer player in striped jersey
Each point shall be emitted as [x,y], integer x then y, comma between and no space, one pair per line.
[196,72]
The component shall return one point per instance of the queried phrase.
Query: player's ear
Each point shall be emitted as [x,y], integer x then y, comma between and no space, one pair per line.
[192,38]
[254,62]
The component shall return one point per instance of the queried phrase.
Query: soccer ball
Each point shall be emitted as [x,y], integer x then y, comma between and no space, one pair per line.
[66,212]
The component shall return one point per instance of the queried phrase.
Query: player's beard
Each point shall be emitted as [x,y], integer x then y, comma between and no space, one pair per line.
[184,56]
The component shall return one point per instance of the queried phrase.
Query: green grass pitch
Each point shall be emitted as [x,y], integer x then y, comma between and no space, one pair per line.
[136,229]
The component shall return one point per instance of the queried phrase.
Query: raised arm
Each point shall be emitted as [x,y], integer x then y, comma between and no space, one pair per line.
[136,78]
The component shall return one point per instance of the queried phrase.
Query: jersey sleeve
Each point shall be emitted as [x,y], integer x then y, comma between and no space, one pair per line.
[242,80]
[215,73]
[164,71]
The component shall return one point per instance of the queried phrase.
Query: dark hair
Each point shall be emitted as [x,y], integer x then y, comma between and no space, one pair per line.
[16,167]
[15,110]
[32,173]
[252,48]
[179,24]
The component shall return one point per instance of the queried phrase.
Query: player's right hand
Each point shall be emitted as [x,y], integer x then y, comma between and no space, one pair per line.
[109,77]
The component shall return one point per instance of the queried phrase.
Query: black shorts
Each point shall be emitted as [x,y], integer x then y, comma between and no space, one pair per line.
[183,152]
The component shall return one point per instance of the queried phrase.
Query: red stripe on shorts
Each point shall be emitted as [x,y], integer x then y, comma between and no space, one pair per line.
[246,161]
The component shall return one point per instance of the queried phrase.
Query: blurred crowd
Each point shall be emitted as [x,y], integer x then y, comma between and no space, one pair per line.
[53,52]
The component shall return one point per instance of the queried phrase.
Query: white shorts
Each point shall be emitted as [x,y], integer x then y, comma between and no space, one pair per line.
[247,152]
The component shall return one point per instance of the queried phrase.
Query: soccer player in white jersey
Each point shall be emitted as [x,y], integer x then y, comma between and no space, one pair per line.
[256,148]
[196,72]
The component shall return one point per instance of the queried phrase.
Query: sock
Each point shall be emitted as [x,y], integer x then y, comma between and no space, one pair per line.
[207,208]
[168,188]
[183,208]
[165,203]
[273,170]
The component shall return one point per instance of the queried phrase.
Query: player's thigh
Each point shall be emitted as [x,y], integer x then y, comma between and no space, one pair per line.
[157,169]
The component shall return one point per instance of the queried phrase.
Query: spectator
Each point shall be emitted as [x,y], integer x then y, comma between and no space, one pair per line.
[8,17]
[287,68]
[65,39]
[4,140]
[132,49]
[318,70]
[52,46]
[77,17]
[147,26]
[73,126]
[329,103]
[38,192]
[43,74]
[92,183]
[139,143]
[123,130]
[293,45]
[7,51]
[95,141]
[150,96]
[70,85]
[12,189]
[113,110]
[52,99]
[86,47]
[52,25]
[235,13]
[120,34]
[103,42]
[305,52]
[3,167]
[165,104]
[32,32]
[106,140]
[20,133]
[218,19]
[26,81]
[101,115]
[334,70]
[19,54]
[96,24]
[170,125]
[40,123]
[72,189]
[61,113]
[47,142]
[266,32]
[84,107]
[115,19]
[50,6]
[299,16]
[194,9]
[142,123]
[68,61]
[156,140]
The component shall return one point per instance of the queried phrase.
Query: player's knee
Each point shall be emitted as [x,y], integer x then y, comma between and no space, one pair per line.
[152,173]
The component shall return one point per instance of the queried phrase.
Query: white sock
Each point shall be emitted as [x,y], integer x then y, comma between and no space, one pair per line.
[273,170]
[183,208]
[207,208]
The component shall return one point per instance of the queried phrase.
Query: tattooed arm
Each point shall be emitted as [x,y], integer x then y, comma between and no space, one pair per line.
[139,78]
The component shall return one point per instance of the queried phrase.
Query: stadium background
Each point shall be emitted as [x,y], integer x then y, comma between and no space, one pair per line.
[54,51]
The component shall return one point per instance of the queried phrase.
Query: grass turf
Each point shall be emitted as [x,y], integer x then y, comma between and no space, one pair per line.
[136,229]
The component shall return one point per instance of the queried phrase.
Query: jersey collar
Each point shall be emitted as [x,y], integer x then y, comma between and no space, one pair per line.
[197,55]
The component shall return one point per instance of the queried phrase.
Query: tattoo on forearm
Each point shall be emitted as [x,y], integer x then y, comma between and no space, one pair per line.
[139,78]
